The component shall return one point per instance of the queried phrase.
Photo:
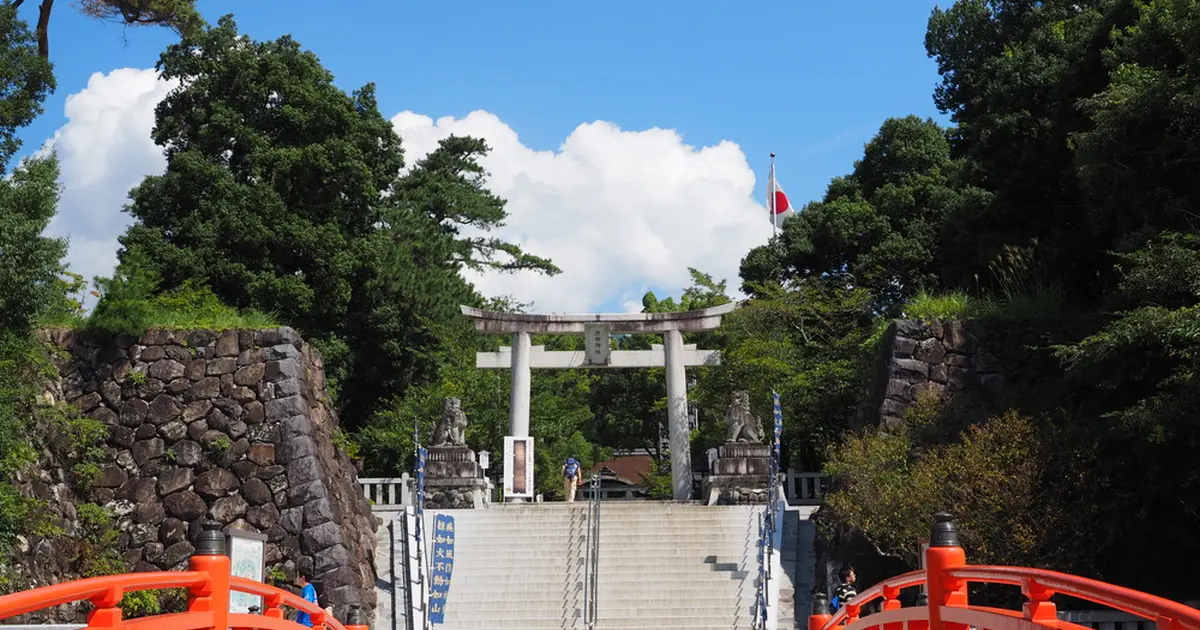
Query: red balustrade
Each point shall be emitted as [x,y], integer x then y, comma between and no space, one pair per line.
[209,584]
[944,604]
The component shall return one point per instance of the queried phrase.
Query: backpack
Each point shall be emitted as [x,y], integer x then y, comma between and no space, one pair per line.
[572,467]
[836,603]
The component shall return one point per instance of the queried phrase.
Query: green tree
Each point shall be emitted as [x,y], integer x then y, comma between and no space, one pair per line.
[1135,162]
[880,227]
[1013,73]
[806,343]
[29,262]
[992,476]
[283,194]
[25,81]
[1137,382]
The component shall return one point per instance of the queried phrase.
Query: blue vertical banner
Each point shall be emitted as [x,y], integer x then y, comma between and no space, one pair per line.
[422,455]
[778,428]
[441,566]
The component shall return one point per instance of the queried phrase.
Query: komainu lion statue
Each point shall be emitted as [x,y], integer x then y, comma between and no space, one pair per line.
[450,429]
[744,426]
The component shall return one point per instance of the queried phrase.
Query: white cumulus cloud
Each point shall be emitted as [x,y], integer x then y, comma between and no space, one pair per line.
[105,150]
[620,212]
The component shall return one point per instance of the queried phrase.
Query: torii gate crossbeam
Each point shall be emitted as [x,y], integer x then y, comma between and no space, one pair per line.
[597,329]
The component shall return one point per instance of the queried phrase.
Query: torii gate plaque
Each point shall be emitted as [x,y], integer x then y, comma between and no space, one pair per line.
[597,329]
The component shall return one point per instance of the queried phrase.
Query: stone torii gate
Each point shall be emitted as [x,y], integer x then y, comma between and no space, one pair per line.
[597,330]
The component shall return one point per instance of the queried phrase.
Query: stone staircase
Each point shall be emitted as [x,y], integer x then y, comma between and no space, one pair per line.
[665,565]
[662,565]
[517,566]
[799,568]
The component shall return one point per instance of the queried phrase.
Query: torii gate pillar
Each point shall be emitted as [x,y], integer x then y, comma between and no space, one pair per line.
[597,329]
[518,398]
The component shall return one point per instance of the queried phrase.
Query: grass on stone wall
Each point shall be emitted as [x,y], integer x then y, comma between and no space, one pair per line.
[31,424]
[127,308]
[942,306]
[132,302]
[20,370]
[957,305]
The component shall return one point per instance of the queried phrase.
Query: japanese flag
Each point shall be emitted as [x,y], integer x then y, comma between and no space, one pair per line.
[777,201]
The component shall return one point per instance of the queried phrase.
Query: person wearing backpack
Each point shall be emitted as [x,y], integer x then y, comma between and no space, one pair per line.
[846,591]
[572,474]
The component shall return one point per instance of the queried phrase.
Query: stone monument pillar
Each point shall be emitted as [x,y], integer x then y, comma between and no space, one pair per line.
[742,470]
[453,478]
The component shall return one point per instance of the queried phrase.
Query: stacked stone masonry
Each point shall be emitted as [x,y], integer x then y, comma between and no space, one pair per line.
[232,426]
[936,356]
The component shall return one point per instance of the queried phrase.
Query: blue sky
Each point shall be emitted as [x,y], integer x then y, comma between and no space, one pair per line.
[808,80]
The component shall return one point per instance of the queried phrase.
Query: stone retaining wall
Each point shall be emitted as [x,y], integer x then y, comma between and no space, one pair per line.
[938,356]
[232,426]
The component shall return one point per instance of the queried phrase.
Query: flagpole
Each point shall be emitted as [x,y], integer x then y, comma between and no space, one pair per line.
[771,196]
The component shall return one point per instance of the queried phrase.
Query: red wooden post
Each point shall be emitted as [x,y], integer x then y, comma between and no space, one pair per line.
[891,598]
[106,614]
[274,606]
[944,552]
[210,557]
[1038,608]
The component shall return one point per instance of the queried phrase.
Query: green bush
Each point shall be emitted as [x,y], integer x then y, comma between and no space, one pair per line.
[345,443]
[990,474]
[658,482]
[130,303]
[21,369]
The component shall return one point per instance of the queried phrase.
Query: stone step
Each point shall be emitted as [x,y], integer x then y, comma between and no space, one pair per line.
[522,567]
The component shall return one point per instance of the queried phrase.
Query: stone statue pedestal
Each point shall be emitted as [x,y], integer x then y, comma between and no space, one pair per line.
[740,475]
[453,479]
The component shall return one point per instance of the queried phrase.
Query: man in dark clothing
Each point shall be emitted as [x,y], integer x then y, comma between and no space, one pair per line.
[846,590]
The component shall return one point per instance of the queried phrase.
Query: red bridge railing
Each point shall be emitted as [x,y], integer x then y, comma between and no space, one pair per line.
[943,605]
[209,584]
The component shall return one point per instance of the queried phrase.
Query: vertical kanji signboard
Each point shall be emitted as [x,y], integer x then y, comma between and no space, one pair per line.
[441,565]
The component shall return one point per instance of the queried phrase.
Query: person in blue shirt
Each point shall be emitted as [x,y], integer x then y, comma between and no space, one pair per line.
[309,593]
[572,474]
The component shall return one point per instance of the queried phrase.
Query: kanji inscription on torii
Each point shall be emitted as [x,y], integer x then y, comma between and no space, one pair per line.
[598,346]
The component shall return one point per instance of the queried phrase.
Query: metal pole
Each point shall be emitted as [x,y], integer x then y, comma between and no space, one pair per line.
[592,556]
[771,197]
[392,570]
[409,624]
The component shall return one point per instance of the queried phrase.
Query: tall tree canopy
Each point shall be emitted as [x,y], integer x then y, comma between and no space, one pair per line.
[880,227]
[26,79]
[29,262]
[1062,205]
[284,194]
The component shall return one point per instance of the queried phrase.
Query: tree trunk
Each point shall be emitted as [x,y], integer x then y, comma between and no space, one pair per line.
[43,27]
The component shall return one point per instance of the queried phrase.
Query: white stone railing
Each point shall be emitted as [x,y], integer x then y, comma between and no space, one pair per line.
[391,494]
[387,494]
[805,488]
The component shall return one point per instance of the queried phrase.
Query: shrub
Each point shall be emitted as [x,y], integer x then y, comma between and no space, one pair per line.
[990,474]
[130,303]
